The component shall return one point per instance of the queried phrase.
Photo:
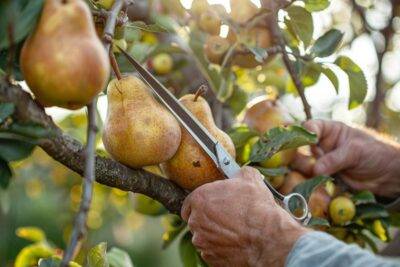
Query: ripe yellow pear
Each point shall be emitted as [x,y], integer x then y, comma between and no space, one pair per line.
[138,130]
[63,61]
[191,167]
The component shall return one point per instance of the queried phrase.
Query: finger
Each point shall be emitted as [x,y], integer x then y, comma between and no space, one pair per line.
[329,132]
[186,209]
[333,162]
[303,164]
[249,174]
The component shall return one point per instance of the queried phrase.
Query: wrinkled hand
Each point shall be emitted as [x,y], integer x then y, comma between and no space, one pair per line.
[236,222]
[364,159]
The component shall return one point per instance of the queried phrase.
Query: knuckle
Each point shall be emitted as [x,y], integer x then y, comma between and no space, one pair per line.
[192,223]
[197,241]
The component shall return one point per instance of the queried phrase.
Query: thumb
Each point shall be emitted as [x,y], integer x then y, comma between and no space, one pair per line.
[332,162]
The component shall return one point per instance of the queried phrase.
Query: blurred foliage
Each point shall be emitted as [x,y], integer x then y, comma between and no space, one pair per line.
[38,206]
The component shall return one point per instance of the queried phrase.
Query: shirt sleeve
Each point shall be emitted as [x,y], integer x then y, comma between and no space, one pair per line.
[322,250]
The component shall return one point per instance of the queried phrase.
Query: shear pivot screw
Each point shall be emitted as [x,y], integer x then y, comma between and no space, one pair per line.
[226,161]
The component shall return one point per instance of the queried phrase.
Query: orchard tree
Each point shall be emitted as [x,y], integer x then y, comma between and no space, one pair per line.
[237,70]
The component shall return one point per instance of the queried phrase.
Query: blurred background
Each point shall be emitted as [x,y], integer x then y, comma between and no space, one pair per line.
[45,194]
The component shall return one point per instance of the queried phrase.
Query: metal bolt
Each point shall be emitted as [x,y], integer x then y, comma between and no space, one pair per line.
[226,161]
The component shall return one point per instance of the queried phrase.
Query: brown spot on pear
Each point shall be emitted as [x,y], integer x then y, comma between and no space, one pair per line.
[180,167]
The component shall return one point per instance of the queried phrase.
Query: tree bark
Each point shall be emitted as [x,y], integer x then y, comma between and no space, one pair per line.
[70,153]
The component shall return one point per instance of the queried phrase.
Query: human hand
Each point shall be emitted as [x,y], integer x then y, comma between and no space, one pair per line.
[364,159]
[236,222]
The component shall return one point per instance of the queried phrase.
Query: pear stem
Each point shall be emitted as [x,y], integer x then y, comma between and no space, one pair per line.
[79,230]
[200,92]
[114,65]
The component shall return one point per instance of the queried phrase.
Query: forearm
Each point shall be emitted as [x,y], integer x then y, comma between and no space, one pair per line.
[322,250]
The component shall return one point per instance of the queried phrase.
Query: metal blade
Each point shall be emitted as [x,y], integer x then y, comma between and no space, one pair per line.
[191,124]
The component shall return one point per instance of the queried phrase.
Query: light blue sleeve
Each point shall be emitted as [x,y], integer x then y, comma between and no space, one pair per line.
[322,250]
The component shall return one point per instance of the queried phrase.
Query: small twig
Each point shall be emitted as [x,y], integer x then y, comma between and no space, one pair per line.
[111,23]
[280,41]
[79,228]
[114,64]
[200,92]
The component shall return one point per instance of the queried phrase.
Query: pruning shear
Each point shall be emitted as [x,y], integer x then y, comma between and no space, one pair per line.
[295,204]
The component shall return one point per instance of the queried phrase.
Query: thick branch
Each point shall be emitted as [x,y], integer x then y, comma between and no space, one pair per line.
[70,153]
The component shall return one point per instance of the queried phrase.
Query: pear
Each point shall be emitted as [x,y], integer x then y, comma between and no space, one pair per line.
[138,130]
[262,115]
[191,167]
[63,61]
[242,11]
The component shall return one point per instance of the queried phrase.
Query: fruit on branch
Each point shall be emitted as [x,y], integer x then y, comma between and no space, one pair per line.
[199,7]
[255,37]
[219,10]
[215,49]
[138,130]
[318,203]
[121,43]
[140,10]
[242,10]
[292,179]
[191,167]
[210,23]
[162,63]
[63,61]
[342,210]
[243,154]
[262,115]
[107,4]
[276,181]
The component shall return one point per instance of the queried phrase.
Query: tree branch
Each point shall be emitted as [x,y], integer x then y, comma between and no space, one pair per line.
[280,41]
[70,153]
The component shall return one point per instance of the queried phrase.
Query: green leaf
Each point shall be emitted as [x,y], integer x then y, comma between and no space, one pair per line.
[259,53]
[240,135]
[327,43]
[363,197]
[165,48]
[6,110]
[316,5]
[225,88]
[49,262]
[187,251]
[170,236]
[357,82]
[119,258]
[31,233]
[11,149]
[5,174]
[141,25]
[97,256]
[331,76]
[316,221]
[281,138]
[302,23]
[370,241]
[238,100]
[272,172]
[23,20]
[371,211]
[394,219]
[307,187]
[33,130]
[310,74]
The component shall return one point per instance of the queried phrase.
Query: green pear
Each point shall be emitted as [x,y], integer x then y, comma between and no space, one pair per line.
[63,61]
[191,167]
[138,130]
